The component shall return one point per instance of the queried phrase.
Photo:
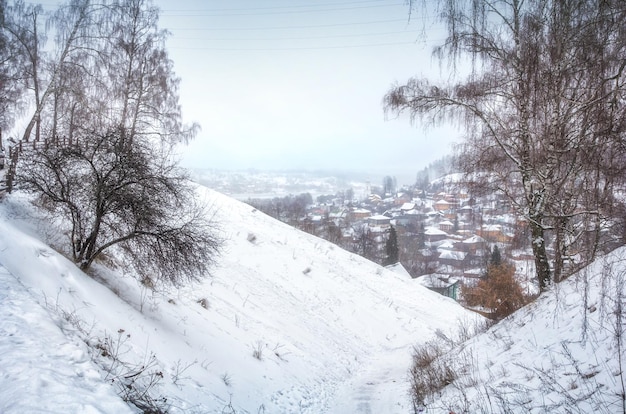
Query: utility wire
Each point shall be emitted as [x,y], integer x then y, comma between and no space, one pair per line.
[209,29]
[267,49]
[292,6]
[247,39]
[214,14]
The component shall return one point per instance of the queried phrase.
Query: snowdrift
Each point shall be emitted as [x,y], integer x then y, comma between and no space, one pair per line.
[286,323]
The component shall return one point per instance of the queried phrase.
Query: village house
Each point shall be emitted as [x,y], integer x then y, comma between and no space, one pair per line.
[453,258]
[494,233]
[473,244]
[441,205]
[379,221]
[360,214]
[338,215]
[407,207]
[446,226]
[434,235]
[401,198]
[440,283]
[466,212]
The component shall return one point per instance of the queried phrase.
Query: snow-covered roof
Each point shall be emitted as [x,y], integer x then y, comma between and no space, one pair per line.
[446,245]
[436,280]
[399,269]
[474,239]
[434,231]
[338,214]
[379,217]
[452,255]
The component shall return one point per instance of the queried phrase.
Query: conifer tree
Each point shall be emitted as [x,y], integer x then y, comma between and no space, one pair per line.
[391,247]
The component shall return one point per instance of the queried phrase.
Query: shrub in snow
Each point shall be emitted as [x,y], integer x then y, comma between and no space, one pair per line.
[498,291]
[429,373]
[227,379]
[136,383]
[112,192]
[257,350]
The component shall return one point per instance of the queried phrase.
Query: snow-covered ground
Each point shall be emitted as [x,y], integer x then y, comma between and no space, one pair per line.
[287,323]
[563,353]
[42,369]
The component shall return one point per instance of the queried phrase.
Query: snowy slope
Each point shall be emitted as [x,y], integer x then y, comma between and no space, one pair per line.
[287,323]
[41,369]
[560,354]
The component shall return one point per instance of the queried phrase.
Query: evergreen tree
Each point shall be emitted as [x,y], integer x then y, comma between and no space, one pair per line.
[391,247]
[496,256]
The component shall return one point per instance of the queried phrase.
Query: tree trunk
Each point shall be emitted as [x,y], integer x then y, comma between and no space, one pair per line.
[560,249]
[542,264]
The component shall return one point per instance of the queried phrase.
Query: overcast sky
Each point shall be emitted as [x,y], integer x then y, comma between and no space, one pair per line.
[285,84]
[298,84]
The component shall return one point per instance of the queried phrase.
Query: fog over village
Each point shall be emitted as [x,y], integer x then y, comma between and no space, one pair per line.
[339,207]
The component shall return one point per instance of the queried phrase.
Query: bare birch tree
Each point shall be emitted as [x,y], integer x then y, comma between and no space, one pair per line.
[11,72]
[107,119]
[543,107]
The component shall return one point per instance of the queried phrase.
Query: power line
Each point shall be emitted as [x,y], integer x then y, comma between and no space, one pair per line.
[209,29]
[268,49]
[235,39]
[293,6]
[247,13]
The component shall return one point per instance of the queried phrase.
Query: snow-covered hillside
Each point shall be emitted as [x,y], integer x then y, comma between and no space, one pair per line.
[564,353]
[287,323]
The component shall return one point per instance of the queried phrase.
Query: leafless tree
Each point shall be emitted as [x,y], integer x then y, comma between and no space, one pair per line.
[363,242]
[11,72]
[114,193]
[106,120]
[543,107]
[27,27]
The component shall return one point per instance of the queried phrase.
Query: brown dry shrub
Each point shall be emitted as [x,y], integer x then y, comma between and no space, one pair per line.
[498,291]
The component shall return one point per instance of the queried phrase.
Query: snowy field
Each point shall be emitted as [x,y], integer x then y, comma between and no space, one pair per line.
[287,323]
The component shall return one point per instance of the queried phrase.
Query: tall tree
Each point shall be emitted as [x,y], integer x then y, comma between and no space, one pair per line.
[139,73]
[543,109]
[496,258]
[498,291]
[40,70]
[108,116]
[391,247]
[11,71]
[363,243]
[389,185]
